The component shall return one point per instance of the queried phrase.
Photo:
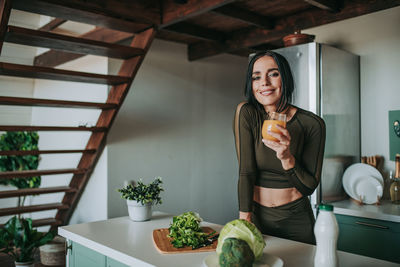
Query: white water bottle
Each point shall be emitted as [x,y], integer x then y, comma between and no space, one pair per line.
[326,232]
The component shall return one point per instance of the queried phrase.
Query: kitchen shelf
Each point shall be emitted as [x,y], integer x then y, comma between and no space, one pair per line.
[385,211]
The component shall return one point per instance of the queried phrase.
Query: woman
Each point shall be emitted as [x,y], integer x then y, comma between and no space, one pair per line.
[275,178]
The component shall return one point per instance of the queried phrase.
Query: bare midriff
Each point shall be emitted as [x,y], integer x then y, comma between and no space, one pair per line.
[274,197]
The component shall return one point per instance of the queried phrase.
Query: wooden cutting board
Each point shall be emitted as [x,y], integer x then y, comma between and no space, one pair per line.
[163,243]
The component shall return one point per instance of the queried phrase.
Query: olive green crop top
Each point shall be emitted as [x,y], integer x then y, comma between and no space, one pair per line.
[258,164]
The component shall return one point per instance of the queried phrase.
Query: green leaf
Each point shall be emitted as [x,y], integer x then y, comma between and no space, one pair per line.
[143,193]
[20,141]
[20,240]
[185,230]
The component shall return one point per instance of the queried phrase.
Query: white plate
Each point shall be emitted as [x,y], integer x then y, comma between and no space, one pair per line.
[356,170]
[368,189]
[266,260]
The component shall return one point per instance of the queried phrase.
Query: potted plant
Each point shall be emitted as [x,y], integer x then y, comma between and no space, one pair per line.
[20,141]
[20,240]
[141,197]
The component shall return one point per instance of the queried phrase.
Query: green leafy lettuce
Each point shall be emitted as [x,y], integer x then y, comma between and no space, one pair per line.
[185,230]
[244,230]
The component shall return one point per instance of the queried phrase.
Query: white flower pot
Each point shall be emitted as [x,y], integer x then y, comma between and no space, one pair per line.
[139,212]
[24,264]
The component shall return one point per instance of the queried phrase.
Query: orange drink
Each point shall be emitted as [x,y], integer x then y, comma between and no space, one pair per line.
[270,125]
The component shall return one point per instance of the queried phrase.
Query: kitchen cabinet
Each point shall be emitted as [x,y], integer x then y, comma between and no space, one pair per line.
[82,256]
[370,237]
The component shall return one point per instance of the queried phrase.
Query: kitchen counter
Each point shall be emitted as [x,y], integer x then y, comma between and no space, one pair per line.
[385,211]
[131,243]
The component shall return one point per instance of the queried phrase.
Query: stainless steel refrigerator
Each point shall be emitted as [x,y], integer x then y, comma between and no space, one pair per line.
[327,82]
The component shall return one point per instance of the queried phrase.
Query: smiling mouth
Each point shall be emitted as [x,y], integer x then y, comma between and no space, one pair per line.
[267,92]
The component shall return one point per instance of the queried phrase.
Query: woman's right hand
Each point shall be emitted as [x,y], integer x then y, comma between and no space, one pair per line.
[245,215]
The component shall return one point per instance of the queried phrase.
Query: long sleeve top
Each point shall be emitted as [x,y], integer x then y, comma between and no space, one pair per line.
[258,164]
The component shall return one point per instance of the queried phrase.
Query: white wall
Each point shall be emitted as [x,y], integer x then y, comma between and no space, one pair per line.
[176,123]
[17,87]
[376,38]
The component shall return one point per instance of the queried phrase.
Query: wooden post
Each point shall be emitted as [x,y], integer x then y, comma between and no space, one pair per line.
[5,10]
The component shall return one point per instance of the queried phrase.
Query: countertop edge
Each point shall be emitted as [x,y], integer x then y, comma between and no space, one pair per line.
[107,251]
[366,214]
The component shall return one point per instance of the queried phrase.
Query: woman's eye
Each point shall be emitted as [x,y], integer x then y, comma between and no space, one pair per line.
[255,78]
[273,74]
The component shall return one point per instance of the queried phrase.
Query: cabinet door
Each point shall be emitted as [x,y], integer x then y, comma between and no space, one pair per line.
[113,263]
[372,238]
[81,256]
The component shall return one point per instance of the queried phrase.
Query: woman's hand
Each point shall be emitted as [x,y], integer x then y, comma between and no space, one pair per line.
[245,216]
[281,147]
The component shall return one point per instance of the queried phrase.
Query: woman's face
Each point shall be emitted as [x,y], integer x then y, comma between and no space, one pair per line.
[267,82]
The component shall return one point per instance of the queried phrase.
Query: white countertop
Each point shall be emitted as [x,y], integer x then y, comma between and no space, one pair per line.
[385,211]
[131,243]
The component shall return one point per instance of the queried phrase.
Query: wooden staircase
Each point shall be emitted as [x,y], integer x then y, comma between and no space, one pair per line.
[132,56]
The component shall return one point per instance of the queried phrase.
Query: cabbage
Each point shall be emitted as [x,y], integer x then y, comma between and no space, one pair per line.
[242,229]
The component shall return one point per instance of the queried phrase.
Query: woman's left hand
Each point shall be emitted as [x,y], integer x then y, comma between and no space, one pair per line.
[281,147]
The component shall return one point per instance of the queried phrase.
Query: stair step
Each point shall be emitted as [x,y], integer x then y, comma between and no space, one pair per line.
[25,71]
[32,208]
[9,128]
[32,173]
[71,11]
[39,152]
[43,222]
[46,221]
[66,43]
[53,58]
[36,191]
[22,101]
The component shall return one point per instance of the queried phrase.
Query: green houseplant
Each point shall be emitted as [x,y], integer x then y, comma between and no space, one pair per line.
[20,240]
[141,197]
[20,141]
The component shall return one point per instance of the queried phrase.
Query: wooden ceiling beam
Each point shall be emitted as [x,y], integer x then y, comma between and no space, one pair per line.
[196,31]
[329,5]
[239,40]
[122,15]
[53,58]
[54,23]
[173,12]
[245,16]
[304,20]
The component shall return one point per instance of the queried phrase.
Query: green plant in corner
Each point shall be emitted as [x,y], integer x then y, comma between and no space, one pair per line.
[20,240]
[20,141]
[143,193]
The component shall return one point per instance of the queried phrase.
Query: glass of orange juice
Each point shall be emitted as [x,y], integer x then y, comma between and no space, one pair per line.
[269,125]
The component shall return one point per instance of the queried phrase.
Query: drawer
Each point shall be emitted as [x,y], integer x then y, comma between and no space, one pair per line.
[373,238]
[369,223]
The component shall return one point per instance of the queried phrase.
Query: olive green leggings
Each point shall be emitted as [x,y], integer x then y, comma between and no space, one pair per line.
[294,220]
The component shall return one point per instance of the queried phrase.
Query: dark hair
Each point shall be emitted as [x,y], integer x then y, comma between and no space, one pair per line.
[286,76]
